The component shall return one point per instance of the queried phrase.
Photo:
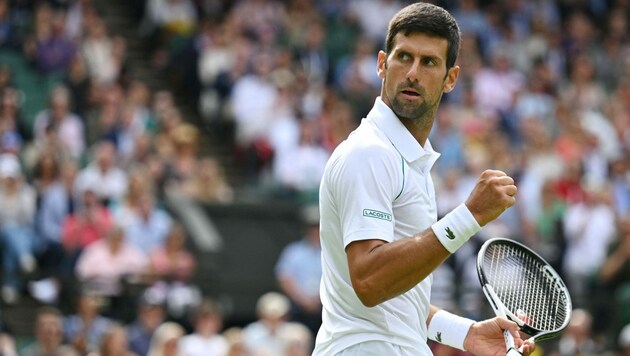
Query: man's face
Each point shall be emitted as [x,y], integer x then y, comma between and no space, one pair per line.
[414,76]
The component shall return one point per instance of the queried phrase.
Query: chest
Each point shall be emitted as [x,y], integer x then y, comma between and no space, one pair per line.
[415,207]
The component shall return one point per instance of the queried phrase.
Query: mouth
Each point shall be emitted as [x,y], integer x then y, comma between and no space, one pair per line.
[410,93]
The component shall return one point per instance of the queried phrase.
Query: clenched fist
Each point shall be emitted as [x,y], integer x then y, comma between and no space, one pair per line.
[491,196]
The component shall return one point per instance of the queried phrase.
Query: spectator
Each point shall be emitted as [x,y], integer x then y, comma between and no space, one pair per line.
[253,103]
[299,271]
[89,223]
[173,266]
[86,328]
[170,18]
[139,183]
[205,338]
[58,126]
[495,87]
[103,175]
[13,132]
[265,336]
[17,237]
[298,170]
[102,54]
[114,343]
[107,263]
[614,277]
[236,344]
[182,165]
[589,227]
[149,315]
[48,335]
[55,205]
[148,228]
[10,36]
[578,338]
[53,51]
[165,340]
[172,261]
[208,184]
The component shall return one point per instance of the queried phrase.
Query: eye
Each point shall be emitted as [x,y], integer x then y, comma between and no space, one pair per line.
[404,56]
[429,61]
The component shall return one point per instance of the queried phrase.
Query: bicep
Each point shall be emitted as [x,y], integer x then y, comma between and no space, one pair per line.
[359,254]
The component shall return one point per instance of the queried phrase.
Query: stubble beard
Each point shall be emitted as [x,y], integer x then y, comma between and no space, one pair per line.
[419,114]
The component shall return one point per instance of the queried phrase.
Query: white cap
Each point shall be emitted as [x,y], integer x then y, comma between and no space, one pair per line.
[272,305]
[9,166]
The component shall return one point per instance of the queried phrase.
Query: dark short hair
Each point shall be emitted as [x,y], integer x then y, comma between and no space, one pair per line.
[429,19]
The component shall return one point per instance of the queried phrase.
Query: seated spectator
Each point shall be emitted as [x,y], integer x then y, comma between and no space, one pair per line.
[205,338]
[114,343]
[86,327]
[102,57]
[17,215]
[56,204]
[299,170]
[89,223]
[172,261]
[165,340]
[149,315]
[236,344]
[181,166]
[208,184]
[53,51]
[299,271]
[578,338]
[13,130]
[139,182]
[172,265]
[614,277]
[48,335]
[265,336]
[65,127]
[102,174]
[106,263]
[148,228]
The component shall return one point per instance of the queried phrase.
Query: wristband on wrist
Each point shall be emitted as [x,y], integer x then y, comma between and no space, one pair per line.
[455,228]
[449,329]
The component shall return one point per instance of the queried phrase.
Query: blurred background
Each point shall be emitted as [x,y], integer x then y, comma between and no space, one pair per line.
[160,163]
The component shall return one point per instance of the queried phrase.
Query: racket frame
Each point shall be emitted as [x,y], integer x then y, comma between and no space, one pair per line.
[501,310]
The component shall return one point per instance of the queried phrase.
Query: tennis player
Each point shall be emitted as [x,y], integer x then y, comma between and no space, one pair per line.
[379,231]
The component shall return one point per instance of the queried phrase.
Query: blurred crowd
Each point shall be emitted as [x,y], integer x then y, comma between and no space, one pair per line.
[543,94]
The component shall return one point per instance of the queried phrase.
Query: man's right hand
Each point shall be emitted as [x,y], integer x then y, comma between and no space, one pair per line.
[491,196]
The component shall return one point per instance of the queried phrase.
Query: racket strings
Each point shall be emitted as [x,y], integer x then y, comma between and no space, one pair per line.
[526,287]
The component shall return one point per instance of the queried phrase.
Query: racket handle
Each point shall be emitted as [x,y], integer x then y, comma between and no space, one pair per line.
[513,352]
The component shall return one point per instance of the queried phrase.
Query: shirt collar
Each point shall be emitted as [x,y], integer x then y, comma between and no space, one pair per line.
[385,119]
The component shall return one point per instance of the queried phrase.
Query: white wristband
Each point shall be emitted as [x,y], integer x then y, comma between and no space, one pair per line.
[449,329]
[454,229]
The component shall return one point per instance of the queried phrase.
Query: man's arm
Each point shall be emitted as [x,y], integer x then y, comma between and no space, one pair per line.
[380,270]
[481,337]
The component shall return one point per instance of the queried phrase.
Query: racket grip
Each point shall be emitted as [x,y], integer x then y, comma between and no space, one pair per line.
[513,352]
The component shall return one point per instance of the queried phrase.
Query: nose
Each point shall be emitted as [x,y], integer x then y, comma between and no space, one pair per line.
[414,71]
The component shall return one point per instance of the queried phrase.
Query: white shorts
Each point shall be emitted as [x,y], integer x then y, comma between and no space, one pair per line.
[377,348]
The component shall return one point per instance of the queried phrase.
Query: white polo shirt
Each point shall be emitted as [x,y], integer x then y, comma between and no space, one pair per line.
[377,185]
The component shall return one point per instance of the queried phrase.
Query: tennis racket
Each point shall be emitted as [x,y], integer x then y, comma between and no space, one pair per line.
[523,287]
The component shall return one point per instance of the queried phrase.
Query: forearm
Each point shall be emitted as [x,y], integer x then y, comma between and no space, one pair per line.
[387,270]
[612,266]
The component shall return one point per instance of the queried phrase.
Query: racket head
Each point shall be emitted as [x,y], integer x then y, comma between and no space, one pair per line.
[531,291]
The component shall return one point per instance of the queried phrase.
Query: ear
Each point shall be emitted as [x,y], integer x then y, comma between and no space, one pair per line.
[382,64]
[451,79]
